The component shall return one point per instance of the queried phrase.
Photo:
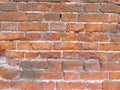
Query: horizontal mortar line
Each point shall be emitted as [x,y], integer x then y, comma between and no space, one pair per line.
[63,51]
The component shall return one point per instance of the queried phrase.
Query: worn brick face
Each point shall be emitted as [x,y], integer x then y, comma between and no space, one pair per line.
[59,44]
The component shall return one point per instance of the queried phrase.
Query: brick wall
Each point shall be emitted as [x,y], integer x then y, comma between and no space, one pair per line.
[59,44]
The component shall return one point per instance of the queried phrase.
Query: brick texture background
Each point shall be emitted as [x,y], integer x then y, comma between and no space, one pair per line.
[59,44]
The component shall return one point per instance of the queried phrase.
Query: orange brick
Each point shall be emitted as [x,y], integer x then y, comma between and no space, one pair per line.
[110,47]
[75,27]
[23,45]
[111,85]
[32,26]
[8,45]
[69,17]
[41,46]
[11,36]
[93,18]
[67,36]
[91,46]
[94,75]
[114,56]
[14,54]
[31,55]
[4,84]
[67,46]
[48,85]
[32,36]
[114,75]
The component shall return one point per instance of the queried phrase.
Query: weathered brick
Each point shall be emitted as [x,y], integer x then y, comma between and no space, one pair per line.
[92,8]
[25,6]
[72,65]
[71,75]
[52,17]
[110,8]
[34,17]
[57,26]
[94,86]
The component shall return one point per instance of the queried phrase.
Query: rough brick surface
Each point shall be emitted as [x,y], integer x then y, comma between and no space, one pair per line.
[59,44]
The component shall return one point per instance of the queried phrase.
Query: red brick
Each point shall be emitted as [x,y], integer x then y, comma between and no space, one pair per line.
[110,66]
[75,27]
[92,64]
[114,75]
[12,16]
[11,54]
[23,45]
[54,65]
[34,17]
[32,55]
[93,18]
[114,56]
[9,73]
[48,85]
[48,1]
[27,85]
[69,17]
[67,36]
[85,55]
[107,85]
[115,37]
[4,84]
[66,8]
[57,26]
[34,65]
[8,7]
[94,75]
[25,6]
[41,46]
[48,75]
[8,45]
[72,65]
[95,86]
[50,36]
[50,54]
[32,36]
[11,36]
[110,8]
[93,28]
[92,8]
[42,7]
[110,47]
[67,46]
[93,37]
[8,26]
[32,26]
[52,17]
[71,75]
[91,46]
[71,85]
[114,18]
